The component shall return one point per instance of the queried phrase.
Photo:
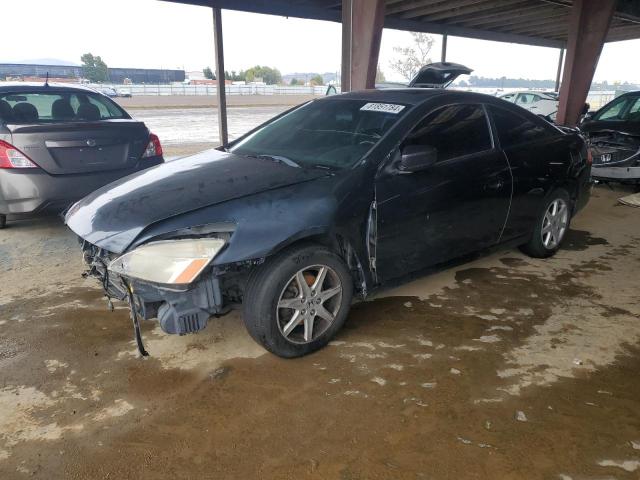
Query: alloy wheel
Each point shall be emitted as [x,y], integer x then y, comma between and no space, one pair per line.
[554,223]
[309,303]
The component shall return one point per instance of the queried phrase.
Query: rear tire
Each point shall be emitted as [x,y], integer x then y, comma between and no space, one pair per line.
[298,300]
[3,221]
[551,226]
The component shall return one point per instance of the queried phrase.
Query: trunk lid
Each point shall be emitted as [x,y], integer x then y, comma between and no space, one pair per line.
[81,147]
[438,75]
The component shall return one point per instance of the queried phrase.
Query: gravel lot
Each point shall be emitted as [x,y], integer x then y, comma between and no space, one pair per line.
[505,367]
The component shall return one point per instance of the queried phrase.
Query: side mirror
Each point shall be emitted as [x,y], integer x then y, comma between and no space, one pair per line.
[417,157]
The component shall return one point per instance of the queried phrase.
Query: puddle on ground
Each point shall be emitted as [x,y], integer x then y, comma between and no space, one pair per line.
[513,370]
[579,240]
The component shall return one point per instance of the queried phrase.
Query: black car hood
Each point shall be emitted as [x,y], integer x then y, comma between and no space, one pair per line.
[113,216]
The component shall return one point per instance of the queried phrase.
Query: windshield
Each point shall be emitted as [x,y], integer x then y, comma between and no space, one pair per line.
[53,107]
[623,108]
[333,133]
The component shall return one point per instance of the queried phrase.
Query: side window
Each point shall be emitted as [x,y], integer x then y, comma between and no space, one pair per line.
[513,129]
[634,111]
[613,110]
[454,131]
[522,99]
[104,113]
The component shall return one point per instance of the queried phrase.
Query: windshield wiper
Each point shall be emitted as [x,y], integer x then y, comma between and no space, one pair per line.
[280,158]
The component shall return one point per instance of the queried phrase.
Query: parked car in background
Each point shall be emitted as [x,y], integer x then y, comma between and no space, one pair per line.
[58,143]
[438,75]
[540,103]
[123,92]
[614,135]
[335,197]
[112,92]
[109,92]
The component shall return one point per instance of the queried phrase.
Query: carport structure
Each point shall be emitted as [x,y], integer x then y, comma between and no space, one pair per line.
[579,27]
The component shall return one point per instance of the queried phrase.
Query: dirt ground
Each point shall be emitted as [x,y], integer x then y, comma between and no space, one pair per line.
[502,368]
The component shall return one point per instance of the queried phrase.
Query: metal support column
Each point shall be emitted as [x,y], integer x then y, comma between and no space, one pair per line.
[345,74]
[588,27]
[560,60]
[362,22]
[221,92]
[443,55]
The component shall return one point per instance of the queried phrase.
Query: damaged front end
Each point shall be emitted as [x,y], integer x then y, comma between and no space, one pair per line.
[616,156]
[171,280]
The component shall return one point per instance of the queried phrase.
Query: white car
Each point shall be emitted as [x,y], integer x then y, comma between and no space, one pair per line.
[540,103]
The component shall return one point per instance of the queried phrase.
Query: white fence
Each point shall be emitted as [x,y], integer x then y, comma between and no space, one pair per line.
[595,98]
[141,90]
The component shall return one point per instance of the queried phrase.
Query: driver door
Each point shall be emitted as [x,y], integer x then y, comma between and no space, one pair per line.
[456,206]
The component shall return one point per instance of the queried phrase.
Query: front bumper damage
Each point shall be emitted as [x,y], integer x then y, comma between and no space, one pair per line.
[616,156]
[179,310]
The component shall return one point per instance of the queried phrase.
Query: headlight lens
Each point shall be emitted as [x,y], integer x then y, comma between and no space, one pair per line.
[176,262]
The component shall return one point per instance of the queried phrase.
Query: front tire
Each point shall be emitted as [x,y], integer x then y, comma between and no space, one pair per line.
[298,300]
[3,221]
[551,226]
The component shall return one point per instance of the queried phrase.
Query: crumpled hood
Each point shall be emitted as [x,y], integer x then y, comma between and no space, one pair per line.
[115,214]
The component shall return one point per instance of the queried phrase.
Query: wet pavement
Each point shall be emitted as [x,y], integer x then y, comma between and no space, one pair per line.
[179,126]
[505,367]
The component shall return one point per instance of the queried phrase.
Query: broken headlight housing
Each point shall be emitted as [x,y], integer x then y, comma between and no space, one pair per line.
[169,262]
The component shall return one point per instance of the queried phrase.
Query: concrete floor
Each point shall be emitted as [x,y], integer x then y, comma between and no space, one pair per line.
[502,368]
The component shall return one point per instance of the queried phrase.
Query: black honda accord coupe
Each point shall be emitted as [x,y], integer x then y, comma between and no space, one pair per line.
[329,200]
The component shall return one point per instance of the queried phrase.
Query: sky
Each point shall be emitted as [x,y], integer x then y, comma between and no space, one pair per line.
[156,34]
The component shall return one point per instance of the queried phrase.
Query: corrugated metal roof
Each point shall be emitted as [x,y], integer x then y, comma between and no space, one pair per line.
[531,22]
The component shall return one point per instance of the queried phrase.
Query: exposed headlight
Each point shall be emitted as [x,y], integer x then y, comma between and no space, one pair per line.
[176,262]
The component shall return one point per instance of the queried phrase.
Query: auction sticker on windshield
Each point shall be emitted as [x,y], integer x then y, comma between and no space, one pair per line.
[383,107]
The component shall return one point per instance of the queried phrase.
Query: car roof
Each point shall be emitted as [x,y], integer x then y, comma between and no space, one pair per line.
[413,96]
[8,87]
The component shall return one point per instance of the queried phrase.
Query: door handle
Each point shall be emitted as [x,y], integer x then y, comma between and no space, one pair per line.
[495,185]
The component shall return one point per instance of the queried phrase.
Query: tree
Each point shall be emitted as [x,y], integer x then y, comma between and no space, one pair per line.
[317,80]
[380,78]
[411,59]
[235,77]
[94,68]
[268,75]
[294,81]
[208,73]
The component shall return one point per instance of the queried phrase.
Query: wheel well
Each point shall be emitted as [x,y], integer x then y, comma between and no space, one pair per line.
[341,247]
[571,186]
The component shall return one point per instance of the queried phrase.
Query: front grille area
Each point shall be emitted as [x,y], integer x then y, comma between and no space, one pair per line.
[605,156]
[97,259]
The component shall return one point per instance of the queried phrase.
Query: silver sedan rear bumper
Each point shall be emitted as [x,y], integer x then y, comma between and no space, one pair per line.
[30,191]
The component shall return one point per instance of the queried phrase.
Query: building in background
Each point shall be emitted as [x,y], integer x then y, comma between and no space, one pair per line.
[74,73]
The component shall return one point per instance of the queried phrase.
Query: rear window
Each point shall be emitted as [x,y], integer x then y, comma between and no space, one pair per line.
[45,107]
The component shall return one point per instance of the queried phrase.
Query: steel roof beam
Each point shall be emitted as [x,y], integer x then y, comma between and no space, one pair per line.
[472,10]
[439,28]
[527,17]
[453,8]
[404,5]
[488,18]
